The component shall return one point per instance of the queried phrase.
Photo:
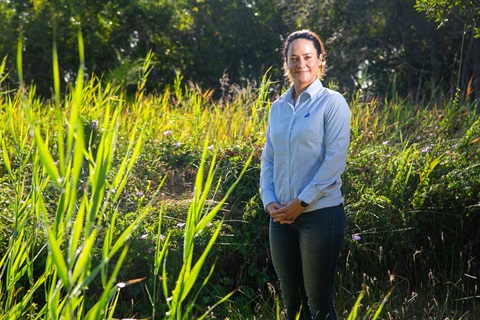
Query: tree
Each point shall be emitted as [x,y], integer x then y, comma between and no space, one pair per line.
[238,38]
[467,12]
[199,39]
[115,34]
[382,47]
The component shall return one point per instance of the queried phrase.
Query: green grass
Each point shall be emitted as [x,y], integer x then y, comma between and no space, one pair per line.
[146,205]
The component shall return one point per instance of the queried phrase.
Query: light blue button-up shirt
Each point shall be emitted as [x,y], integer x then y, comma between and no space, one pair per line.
[305,151]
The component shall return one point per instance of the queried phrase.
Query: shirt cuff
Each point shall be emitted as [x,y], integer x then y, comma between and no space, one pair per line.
[267,199]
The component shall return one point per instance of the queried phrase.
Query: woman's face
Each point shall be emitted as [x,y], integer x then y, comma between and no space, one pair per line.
[303,63]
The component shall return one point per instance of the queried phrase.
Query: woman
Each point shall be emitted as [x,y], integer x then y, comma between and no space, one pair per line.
[304,155]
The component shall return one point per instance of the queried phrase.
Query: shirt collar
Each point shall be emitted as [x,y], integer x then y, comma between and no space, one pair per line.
[312,90]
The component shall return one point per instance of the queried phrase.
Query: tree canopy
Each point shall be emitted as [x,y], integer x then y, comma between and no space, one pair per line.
[377,46]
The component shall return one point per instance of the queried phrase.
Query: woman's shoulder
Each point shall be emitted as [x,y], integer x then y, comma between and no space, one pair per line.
[334,103]
[331,92]
[333,96]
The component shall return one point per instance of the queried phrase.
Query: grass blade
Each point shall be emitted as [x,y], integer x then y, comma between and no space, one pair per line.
[57,256]
[47,160]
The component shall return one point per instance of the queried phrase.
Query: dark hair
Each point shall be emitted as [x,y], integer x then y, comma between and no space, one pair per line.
[308,35]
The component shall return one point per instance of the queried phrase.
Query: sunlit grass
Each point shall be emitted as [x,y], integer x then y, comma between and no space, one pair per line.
[67,151]
[84,172]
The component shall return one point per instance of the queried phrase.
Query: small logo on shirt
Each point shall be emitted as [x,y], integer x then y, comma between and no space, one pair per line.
[307,115]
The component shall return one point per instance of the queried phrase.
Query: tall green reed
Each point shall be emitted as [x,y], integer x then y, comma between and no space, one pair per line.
[17,263]
[372,312]
[51,162]
[190,114]
[18,260]
[181,299]
[74,194]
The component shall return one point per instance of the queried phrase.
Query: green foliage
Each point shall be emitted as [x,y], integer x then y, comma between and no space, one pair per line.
[77,189]
[412,196]
[70,223]
[441,10]
[201,37]
[123,205]
[381,47]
